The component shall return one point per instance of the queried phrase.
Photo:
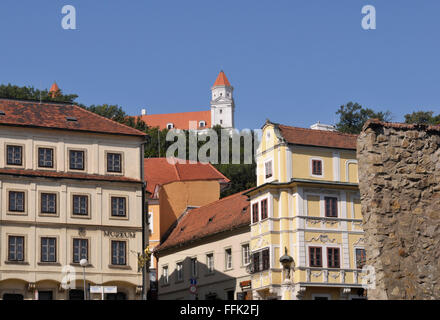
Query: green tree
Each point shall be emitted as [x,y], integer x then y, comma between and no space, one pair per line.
[422,117]
[30,93]
[353,116]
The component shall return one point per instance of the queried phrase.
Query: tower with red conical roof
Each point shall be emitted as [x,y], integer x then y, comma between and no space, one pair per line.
[54,90]
[222,102]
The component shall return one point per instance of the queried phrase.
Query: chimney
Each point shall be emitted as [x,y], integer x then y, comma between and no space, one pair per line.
[322,126]
[143,112]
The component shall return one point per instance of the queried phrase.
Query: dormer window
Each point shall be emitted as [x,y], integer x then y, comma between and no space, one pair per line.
[202,124]
[170,126]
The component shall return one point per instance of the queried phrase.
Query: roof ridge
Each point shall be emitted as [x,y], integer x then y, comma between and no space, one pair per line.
[159,114]
[59,103]
[107,119]
[314,130]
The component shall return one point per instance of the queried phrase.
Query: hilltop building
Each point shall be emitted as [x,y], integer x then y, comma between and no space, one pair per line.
[221,111]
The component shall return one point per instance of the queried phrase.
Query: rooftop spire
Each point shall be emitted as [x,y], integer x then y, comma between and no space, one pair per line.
[54,90]
[221,80]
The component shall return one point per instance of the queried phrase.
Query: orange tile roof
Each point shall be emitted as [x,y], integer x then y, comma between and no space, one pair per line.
[180,120]
[221,80]
[318,138]
[159,172]
[65,175]
[56,115]
[222,215]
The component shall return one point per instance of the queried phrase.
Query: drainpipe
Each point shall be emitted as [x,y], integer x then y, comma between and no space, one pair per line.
[144,222]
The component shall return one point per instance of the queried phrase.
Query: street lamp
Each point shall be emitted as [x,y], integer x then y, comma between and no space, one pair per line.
[287,262]
[84,263]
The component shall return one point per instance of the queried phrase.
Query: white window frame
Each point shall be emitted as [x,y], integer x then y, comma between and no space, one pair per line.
[228,259]
[202,122]
[322,167]
[243,245]
[179,271]
[166,276]
[272,177]
[150,222]
[208,266]
[170,125]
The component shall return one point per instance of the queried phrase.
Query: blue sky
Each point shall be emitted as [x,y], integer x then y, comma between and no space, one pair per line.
[292,61]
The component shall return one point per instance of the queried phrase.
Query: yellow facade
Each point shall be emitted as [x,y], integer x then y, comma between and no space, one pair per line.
[297,221]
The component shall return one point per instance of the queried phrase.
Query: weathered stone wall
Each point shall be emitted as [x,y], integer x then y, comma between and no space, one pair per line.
[399,174]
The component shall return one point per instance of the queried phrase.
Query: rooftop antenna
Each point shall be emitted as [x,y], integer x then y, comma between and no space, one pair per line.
[41,86]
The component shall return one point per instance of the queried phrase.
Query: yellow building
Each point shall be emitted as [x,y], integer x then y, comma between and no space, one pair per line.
[307,204]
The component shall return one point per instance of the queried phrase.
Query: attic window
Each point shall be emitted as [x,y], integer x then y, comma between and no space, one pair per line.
[181,229]
[244,210]
[71,119]
[2,113]
[210,219]
[170,126]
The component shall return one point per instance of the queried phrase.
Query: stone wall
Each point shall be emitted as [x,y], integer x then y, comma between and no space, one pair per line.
[399,174]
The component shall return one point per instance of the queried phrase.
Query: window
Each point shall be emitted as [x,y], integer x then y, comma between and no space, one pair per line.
[119,252]
[317,167]
[221,111]
[80,249]
[315,256]
[179,271]
[255,212]
[261,260]
[221,121]
[48,250]
[165,274]
[45,157]
[333,257]
[14,155]
[80,205]
[16,248]
[170,126]
[268,169]
[16,201]
[210,262]
[228,259]
[264,209]
[119,206]
[361,258]
[193,267]
[76,160]
[150,222]
[48,203]
[230,295]
[245,254]
[331,207]
[202,124]
[114,163]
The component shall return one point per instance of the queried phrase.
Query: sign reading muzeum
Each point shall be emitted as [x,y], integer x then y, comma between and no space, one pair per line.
[71,188]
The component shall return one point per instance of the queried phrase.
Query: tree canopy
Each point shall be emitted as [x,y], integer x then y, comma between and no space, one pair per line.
[352,117]
[422,117]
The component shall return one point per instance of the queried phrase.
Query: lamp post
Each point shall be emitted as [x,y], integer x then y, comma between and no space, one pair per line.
[288,264]
[84,263]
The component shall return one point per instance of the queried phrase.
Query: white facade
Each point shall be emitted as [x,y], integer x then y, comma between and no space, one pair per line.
[222,106]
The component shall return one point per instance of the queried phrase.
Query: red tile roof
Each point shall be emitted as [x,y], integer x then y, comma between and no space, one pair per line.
[180,120]
[159,172]
[65,175]
[55,116]
[221,80]
[222,215]
[318,138]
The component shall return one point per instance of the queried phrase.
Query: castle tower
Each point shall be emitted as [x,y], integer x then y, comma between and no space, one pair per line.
[54,90]
[222,102]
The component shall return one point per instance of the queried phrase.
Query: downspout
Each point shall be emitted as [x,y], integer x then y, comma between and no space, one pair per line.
[144,221]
